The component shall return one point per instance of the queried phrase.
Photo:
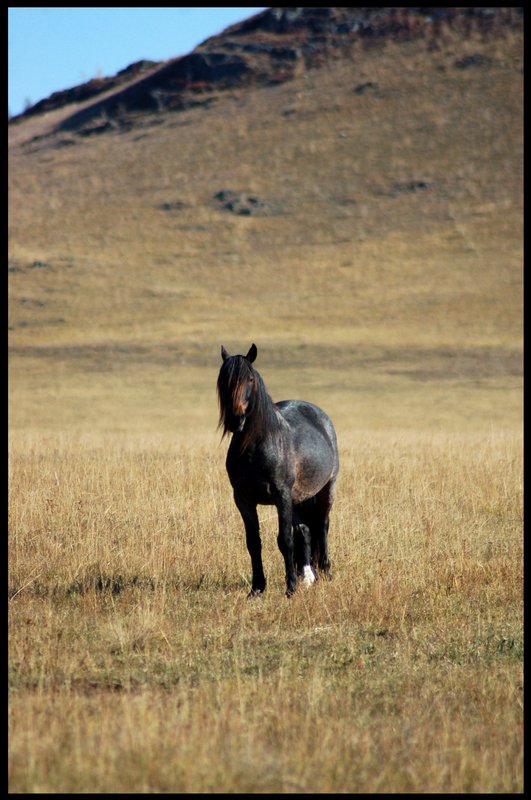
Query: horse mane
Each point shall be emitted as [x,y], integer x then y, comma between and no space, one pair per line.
[262,418]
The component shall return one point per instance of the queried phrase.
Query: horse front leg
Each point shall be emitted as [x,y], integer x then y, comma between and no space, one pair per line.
[285,540]
[254,545]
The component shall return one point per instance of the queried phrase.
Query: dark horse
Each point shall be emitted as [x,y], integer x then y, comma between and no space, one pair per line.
[282,454]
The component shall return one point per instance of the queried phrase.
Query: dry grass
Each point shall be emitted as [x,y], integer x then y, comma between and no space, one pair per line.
[138,664]
[348,258]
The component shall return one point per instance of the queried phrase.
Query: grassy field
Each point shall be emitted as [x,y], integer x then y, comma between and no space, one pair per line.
[136,663]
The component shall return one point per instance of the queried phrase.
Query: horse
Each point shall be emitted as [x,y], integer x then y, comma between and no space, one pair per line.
[283,454]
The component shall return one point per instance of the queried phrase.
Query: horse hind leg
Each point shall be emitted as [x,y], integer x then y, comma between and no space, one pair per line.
[302,552]
[319,526]
[320,555]
[285,539]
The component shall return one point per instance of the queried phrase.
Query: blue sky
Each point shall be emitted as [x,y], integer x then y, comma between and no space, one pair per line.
[50,49]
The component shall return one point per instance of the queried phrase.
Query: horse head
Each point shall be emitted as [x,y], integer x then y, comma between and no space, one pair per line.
[237,382]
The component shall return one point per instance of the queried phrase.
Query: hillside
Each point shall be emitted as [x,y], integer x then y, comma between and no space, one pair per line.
[349,198]
[269,48]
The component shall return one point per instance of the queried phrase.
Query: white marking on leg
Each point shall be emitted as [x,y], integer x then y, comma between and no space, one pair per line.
[307,575]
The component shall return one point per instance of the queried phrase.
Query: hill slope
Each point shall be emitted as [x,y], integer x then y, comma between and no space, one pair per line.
[269,48]
[362,222]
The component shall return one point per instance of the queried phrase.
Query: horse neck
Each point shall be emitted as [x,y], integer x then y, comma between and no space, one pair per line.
[263,421]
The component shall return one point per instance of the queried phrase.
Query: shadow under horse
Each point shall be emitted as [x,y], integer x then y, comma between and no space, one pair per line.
[282,454]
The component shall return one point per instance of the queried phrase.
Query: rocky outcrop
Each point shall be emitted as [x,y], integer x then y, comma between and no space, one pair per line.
[92,88]
[268,48]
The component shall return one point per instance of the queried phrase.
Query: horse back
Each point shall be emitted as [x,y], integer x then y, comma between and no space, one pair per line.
[314,446]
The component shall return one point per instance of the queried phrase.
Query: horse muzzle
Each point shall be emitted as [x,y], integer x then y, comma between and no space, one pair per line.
[235,423]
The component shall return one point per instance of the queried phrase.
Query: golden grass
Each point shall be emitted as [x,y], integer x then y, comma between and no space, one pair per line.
[346,257]
[138,664]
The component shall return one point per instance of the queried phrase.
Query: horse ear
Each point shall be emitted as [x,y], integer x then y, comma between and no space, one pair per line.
[224,354]
[251,355]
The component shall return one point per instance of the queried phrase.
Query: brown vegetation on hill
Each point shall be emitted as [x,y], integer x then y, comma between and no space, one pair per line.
[369,211]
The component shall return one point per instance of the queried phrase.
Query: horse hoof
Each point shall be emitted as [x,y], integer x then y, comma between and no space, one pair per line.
[255,593]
